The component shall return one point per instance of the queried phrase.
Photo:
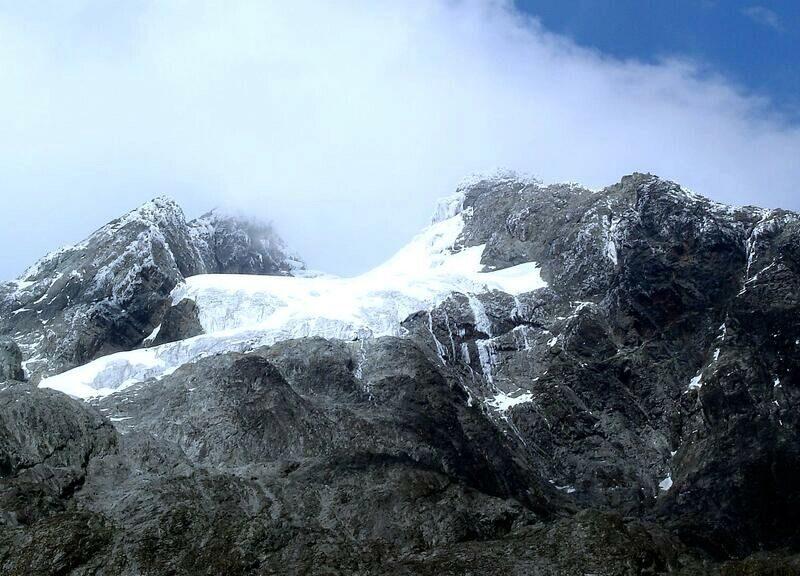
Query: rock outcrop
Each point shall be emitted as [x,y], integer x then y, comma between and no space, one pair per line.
[180,322]
[283,461]
[10,361]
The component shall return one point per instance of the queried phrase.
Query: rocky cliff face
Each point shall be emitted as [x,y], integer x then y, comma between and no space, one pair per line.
[661,363]
[109,292]
[635,415]
[662,359]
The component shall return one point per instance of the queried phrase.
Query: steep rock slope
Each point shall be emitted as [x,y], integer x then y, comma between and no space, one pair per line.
[288,460]
[109,292]
[658,371]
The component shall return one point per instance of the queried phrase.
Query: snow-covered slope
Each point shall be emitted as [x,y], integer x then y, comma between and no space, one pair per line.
[240,312]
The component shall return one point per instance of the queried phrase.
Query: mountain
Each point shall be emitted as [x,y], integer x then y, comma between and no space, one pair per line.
[109,292]
[546,380]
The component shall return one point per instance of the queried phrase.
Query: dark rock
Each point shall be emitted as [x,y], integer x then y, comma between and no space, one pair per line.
[665,351]
[47,441]
[181,321]
[10,361]
[237,465]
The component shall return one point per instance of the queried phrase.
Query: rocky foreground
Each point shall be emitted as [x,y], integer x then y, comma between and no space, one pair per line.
[636,415]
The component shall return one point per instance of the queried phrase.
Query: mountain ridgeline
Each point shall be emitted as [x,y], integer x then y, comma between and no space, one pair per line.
[613,390]
[109,292]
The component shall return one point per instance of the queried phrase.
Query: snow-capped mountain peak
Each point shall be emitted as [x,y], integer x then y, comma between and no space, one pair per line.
[108,292]
[241,312]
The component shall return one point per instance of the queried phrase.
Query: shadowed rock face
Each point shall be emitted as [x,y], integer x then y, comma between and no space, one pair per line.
[636,416]
[109,292]
[662,360]
[180,321]
[47,442]
[10,361]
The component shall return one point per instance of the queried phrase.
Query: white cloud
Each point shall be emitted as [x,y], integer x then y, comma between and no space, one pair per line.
[764,16]
[343,121]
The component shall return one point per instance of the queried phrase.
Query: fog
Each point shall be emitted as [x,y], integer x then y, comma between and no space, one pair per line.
[342,122]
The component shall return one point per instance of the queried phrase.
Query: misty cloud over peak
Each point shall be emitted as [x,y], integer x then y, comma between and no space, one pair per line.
[343,122]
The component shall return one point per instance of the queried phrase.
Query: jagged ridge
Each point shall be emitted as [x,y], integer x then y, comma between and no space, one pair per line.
[110,291]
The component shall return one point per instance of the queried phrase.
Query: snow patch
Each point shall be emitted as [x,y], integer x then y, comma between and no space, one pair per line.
[486,358]
[611,251]
[151,338]
[566,488]
[497,176]
[611,247]
[482,322]
[503,402]
[697,382]
[465,353]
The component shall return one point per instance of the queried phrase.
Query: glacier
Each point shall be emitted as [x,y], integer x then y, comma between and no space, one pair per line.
[242,312]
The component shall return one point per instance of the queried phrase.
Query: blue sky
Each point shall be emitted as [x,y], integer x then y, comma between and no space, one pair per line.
[753,43]
[343,122]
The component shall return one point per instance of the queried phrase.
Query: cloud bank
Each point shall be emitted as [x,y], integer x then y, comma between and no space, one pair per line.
[342,121]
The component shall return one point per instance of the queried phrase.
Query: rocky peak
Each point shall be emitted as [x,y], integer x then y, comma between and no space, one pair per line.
[110,291]
[686,307]
[240,245]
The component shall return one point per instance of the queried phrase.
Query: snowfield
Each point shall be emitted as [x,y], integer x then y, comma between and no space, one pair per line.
[240,312]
